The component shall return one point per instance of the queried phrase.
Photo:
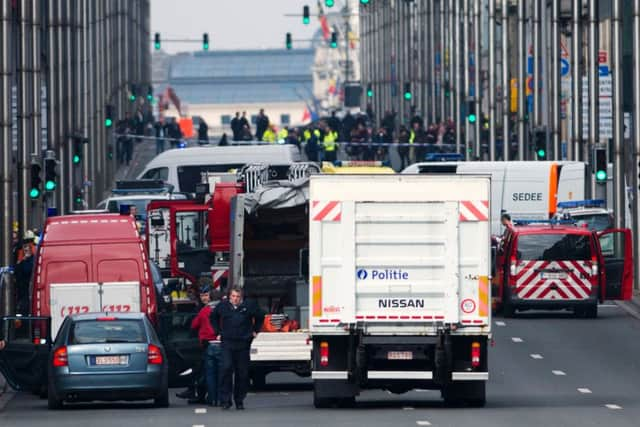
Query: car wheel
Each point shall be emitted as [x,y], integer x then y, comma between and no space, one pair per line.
[53,402]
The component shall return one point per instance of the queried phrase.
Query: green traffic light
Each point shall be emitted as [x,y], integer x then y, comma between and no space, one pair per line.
[34,193]
[407,95]
[370,93]
[132,98]
[541,153]
[601,175]
[364,1]
[76,159]
[306,20]
[472,118]
[334,45]
[157,46]
[50,185]
[205,46]
[329,3]
[108,122]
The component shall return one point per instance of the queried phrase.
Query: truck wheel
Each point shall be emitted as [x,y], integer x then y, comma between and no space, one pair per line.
[259,380]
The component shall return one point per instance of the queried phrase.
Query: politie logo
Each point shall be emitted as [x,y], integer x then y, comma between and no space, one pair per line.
[385,274]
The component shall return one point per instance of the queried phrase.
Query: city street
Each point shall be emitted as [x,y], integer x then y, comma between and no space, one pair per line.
[545,369]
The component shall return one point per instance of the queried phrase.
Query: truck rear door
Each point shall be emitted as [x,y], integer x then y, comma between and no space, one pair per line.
[617,259]
[24,360]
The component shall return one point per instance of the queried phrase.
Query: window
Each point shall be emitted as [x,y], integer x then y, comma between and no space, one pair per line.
[285,119]
[254,119]
[225,119]
[551,247]
[157,173]
[191,230]
[107,331]
[189,176]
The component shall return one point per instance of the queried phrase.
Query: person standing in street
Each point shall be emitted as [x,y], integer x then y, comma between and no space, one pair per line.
[262,124]
[238,322]
[236,127]
[23,271]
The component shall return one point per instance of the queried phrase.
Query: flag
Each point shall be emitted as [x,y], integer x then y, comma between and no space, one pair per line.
[306,116]
[324,23]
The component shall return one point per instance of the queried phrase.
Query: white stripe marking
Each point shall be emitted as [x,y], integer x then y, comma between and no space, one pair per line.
[612,406]
[200,410]
[516,339]
[198,425]
[499,323]
[584,390]
[537,356]
[558,373]
[407,408]
[423,423]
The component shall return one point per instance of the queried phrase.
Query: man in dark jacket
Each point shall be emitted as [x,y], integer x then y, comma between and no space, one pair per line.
[262,123]
[238,323]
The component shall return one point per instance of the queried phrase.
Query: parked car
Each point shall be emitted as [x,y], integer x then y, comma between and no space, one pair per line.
[107,356]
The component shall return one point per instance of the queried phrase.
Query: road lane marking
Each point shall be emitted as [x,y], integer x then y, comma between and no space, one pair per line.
[612,406]
[516,339]
[584,390]
[198,425]
[282,393]
[200,410]
[407,408]
[558,373]
[608,306]
[423,423]
[500,323]
[537,356]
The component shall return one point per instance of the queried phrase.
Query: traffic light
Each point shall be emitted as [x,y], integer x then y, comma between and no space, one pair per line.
[305,15]
[50,174]
[132,93]
[447,89]
[156,41]
[407,91]
[77,151]
[78,198]
[108,116]
[329,3]
[369,91]
[600,156]
[36,180]
[364,1]
[150,93]
[471,112]
[288,41]
[334,40]
[540,140]
[205,41]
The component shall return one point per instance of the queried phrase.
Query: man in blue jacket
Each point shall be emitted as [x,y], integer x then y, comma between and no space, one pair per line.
[238,322]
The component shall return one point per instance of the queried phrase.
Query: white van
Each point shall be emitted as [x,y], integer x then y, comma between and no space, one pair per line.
[182,168]
[525,190]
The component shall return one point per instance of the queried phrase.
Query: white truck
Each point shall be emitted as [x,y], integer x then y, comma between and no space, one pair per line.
[399,285]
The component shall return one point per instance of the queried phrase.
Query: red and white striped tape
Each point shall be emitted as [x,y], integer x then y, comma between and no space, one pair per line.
[474,210]
[572,280]
[218,275]
[330,211]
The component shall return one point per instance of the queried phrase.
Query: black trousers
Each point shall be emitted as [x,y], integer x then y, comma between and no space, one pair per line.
[235,370]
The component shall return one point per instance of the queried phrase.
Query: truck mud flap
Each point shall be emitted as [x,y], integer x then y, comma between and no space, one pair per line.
[443,360]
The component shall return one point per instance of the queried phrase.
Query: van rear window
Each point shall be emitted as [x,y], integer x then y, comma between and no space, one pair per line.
[189,176]
[550,247]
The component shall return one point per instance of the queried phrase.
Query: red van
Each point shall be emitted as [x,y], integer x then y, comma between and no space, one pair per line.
[558,265]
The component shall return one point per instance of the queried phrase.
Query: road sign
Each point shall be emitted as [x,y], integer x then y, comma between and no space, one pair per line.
[603,70]
[564,67]
[602,57]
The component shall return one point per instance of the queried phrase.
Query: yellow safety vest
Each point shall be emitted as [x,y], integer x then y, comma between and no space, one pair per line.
[412,136]
[269,136]
[282,135]
[307,135]
[316,133]
[330,141]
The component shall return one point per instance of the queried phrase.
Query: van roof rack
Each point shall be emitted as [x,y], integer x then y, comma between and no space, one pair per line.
[590,203]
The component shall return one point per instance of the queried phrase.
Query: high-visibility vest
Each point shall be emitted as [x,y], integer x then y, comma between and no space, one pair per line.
[306,135]
[330,141]
[269,136]
[316,132]
[412,137]
[282,135]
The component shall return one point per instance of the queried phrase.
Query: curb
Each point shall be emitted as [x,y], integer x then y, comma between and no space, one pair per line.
[632,307]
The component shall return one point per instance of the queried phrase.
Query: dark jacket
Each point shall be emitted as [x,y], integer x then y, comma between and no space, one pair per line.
[237,325]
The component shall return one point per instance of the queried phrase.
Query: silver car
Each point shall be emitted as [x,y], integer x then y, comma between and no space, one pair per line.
[107,356]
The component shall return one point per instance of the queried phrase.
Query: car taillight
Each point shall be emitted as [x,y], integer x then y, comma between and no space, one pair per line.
[106,319]
[475,354]
[324,353]
[514,265]
[60,357]
[154,356]
[594,266]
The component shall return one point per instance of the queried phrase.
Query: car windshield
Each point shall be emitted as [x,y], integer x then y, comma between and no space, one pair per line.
[551,247]
[597,222]
[107,331]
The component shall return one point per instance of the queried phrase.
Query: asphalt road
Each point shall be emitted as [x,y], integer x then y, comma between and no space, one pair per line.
[546,370]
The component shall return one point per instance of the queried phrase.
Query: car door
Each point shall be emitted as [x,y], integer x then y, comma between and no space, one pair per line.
[617,260]
[180,343]
[24,360]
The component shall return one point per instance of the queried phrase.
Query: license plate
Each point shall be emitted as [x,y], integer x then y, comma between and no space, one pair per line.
[554,276]
[399,355]
[111,360]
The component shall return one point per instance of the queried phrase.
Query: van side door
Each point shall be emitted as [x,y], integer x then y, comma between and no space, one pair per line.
[617,264]
[24,360]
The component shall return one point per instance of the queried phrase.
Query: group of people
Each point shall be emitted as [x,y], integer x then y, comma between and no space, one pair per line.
[226,326]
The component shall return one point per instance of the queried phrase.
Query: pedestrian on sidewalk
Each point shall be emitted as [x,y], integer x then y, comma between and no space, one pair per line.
[238,322]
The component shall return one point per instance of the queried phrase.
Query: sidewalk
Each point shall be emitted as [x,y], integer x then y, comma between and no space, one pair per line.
[632,306]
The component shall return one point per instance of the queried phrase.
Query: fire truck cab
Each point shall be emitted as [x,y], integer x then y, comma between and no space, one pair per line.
[553,265]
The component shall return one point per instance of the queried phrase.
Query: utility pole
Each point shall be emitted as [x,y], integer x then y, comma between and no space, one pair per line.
[465,66]
[618,117]
[477,85]
[576,81]
[636,137]
[556,86]
[492,80]
[522,76]
[506,83]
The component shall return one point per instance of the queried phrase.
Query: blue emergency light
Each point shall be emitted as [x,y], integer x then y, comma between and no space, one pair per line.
[443,157]
[591,203]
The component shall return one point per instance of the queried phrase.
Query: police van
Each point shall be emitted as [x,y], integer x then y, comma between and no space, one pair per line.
[526,190]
